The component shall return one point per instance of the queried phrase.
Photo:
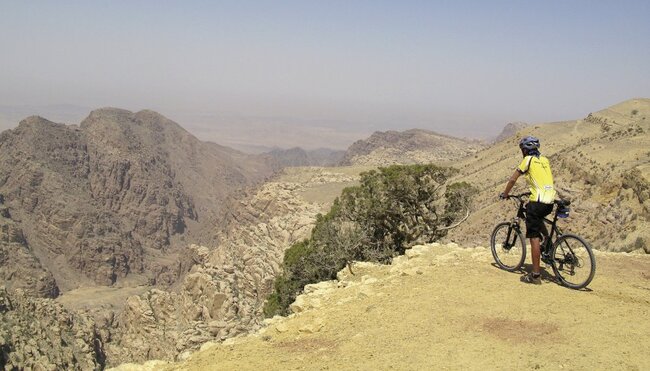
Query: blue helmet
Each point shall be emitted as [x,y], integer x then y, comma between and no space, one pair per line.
[529,144]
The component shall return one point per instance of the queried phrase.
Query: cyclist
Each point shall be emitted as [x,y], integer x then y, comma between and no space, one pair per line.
[537,170]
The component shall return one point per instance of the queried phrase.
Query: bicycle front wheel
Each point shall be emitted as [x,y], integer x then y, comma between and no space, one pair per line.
[574,263]
[508,246]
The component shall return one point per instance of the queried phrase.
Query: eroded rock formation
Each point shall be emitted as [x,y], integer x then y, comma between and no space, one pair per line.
[223,294]
[116,195]
[39,334]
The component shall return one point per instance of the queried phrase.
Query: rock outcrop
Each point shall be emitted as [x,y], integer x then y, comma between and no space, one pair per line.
[19,268]
[116,195]
[509,130]
[39,334]
[223,294]
[422,311]
[408,147]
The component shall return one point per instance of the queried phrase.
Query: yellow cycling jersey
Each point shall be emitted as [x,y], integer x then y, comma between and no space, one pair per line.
[540,180]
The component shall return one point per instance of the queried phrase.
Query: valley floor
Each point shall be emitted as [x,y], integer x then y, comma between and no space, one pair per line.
[449,308]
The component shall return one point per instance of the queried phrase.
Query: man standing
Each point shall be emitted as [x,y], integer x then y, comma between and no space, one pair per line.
[537,170]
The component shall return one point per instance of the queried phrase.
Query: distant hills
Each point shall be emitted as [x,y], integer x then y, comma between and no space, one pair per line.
[408,147]
[509,130]
[297,156]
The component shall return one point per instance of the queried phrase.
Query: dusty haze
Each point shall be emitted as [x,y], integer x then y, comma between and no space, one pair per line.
[324,74]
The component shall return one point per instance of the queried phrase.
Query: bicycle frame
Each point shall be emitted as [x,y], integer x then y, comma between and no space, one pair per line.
[553,231]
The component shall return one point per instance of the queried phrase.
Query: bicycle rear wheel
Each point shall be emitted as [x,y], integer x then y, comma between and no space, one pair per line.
[508,247]
[573,261]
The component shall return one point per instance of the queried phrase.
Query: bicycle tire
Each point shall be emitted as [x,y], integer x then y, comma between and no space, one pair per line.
[510,255]
[571,252]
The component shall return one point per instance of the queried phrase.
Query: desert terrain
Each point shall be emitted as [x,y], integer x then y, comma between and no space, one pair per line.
[446,307]
[219,275]
[467,317]
[600,162]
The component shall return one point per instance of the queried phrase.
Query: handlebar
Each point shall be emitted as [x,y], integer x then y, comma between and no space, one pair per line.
[520,197]
[562,202]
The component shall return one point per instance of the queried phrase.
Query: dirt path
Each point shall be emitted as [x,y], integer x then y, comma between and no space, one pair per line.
[575,127]
[449,308]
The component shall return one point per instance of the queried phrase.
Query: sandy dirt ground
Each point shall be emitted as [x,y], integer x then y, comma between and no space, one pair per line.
[451,308]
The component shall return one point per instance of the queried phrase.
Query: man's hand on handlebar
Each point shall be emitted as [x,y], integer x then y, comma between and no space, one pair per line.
[503,196]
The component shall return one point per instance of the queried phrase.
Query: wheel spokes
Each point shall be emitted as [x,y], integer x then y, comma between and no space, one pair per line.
[507,247]
[573,263]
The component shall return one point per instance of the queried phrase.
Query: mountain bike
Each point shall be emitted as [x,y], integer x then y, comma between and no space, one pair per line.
[569,255]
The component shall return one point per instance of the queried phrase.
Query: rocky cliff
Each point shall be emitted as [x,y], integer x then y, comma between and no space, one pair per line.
[223,294]
[408,147]
[446,307]
[116,195]
[19,268]
[39,334]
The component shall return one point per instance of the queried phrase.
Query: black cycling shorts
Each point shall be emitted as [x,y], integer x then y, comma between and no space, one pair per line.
[535,213]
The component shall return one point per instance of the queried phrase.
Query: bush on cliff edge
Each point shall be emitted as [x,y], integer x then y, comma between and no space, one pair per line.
[392,209]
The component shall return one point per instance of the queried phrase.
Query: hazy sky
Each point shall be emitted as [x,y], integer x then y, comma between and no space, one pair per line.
[459,67]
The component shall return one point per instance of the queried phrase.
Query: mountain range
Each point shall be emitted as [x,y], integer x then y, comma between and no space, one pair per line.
[156,242]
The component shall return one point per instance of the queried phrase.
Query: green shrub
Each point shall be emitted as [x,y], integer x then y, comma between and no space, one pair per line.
[392,209]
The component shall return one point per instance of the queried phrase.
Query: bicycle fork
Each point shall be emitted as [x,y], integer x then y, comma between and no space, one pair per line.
[514,226]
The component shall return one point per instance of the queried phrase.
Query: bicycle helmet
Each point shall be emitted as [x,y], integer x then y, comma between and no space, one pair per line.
[529,143]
